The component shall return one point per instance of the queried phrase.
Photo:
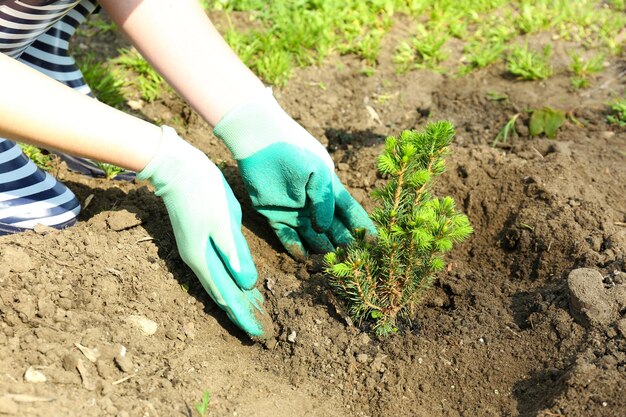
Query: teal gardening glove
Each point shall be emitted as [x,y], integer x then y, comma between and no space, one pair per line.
[290,178]
[206,219]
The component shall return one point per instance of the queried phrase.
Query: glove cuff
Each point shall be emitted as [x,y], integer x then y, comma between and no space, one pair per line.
[254,125]
[172,155]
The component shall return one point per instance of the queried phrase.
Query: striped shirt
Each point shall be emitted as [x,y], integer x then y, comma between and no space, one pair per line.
[37,33]
[23,21]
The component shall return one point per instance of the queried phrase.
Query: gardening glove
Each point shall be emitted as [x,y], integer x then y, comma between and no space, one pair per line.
[290,178]
[206,219]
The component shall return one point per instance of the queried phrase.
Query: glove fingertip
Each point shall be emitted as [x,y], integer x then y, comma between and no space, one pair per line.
[290,240]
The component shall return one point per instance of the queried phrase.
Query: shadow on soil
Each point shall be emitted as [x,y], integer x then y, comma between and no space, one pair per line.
[150,209]
[340,139]
[539,391]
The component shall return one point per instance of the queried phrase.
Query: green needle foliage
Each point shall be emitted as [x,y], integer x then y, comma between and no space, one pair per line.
[384,280]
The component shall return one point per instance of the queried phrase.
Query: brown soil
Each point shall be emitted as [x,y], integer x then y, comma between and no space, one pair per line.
[504,332]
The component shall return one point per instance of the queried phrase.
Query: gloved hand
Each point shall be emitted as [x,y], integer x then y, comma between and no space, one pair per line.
[290,178]
[206,219]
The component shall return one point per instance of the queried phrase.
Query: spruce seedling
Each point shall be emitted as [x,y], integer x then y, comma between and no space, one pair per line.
[385,280]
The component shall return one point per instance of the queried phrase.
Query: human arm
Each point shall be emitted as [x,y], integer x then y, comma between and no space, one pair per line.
[287,172]
[204,214]
[182,44]
[40,111]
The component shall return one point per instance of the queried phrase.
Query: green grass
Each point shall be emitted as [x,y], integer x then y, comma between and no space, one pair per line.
[285,35]
[507,131]
[457,36]
[110,170]
[582,69]
[203,407]
[105,82]
[618,113]
[530,65]
[41,159]
[147,81]
[480,55]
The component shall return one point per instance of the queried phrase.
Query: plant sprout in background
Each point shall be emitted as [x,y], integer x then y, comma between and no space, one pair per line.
[530,65]
[582,69]
[618,113]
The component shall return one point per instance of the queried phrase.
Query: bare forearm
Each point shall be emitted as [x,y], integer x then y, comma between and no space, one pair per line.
[180,41]
[40,111]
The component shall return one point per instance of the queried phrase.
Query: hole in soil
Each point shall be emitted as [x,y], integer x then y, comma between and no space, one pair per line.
[523,304]
[539,391]
[340,139]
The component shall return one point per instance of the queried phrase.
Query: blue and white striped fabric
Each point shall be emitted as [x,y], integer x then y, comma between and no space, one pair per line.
[30,196]
[37,33]
[48,52]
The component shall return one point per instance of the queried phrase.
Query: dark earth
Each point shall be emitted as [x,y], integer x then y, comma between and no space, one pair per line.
[528,320]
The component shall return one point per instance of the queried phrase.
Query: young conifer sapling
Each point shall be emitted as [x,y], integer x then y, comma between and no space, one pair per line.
[385,280]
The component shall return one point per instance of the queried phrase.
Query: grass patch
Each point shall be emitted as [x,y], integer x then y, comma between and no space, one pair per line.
[530,65]
[147,81]
[507,131]
[618,113]
[479,55]
[287,35]
[203,406]
[41,159]
[297,34]
[106,82]
[582,69]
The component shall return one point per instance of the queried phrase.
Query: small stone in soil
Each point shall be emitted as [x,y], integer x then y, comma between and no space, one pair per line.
[589,302]
[122,220]
[145,325]
[16,260]
[124,363]
[292,337]
[364,339]
[270,343]
[33,375]
[362,358]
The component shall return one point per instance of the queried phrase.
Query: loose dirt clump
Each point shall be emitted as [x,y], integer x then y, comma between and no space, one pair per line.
[117,325]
